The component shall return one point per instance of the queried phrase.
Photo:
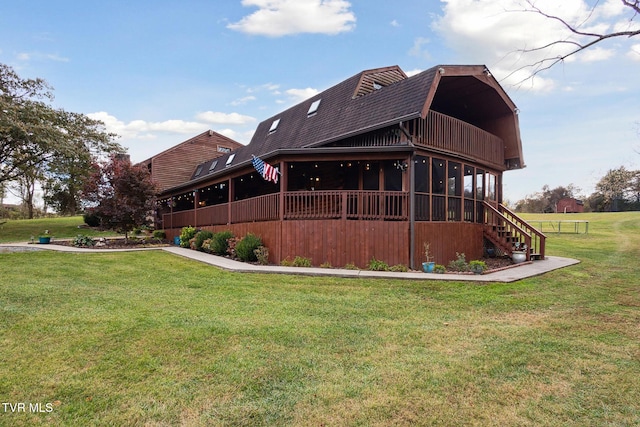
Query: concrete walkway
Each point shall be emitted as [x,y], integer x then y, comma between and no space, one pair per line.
[507,275]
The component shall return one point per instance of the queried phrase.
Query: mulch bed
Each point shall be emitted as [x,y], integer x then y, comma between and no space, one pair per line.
[119,243]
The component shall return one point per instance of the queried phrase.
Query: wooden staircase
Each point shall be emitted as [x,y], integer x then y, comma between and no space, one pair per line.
[508,232]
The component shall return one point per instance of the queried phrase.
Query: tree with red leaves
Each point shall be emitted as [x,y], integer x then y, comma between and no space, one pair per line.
[120,194]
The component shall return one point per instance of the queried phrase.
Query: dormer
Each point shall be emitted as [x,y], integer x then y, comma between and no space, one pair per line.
[373,80]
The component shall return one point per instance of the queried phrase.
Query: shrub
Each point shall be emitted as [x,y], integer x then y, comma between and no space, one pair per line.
[91,219]
[286,262]
[377,265]
[232,242]
[325,265]
[478,266]
[262,255]
[159,234]
[83,241]
[206,246]
[246,246]
[459,264]
[439,268]
[351,266]
[220,242]
[300,261]
[399,268]
[186,234]
[200,237]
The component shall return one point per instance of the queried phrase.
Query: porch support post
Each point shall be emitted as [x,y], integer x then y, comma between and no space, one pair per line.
[284,175]
[283,188]
[229,210]
[171,211]
[412,210]
[196,201]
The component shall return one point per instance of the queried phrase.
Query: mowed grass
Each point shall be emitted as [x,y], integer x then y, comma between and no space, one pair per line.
[147,338]
[23,230]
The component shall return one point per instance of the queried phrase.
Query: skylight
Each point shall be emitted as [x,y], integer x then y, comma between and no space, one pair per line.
[199,170]
[230,159]
[213,165]
[274,125]
[313,108]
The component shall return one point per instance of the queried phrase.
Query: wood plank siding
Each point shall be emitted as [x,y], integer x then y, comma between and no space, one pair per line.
[329,241]
[447,238]
[176,165]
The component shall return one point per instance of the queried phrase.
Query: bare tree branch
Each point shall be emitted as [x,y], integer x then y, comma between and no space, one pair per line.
[591,39]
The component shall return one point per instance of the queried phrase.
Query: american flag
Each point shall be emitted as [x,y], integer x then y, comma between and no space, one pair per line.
[267,171]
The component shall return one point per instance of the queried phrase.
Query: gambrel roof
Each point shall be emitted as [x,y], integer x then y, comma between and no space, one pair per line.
[378,98]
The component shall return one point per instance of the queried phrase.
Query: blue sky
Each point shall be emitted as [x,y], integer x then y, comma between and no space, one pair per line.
[158,73]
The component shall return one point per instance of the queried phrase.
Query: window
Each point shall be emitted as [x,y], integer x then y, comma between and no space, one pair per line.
[422,174]
[198,170]
[455,189]
[468,182]
[479,184]
[491,186]
[313,109]
[274,126]
[437,176]
[223,149]
[213,166]
[229,160]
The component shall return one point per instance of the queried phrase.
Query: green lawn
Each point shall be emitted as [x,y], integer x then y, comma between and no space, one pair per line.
[147,338]
[64,227]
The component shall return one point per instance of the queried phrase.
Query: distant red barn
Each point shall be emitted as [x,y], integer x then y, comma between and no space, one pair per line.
[569,206]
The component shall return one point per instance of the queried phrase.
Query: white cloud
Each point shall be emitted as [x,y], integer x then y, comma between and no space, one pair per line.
[224,118]
[595,53]
[634,52]
[141,129]
[503,36]
[25,56]
[394,23]
[413,72]
[299,95]
[418,49]
[243,100]
[276,18]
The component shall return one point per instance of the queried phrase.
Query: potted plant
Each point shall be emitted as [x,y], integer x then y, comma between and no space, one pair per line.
[477,267]
[45,238]
[519,253]
[427,266]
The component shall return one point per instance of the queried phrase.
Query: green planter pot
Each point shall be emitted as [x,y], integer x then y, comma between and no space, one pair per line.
[44,240]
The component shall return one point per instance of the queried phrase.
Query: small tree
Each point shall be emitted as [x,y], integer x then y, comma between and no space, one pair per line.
[120,194]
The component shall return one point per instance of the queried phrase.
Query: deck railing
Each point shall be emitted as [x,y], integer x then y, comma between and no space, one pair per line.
[261,208]
[364,205]
[455,136]
[504,228]
[368,205]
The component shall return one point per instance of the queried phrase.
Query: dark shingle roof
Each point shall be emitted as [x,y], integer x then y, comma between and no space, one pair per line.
[348,108]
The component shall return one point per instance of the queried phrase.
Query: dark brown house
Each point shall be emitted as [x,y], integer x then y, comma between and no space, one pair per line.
[175,165]
[373,167]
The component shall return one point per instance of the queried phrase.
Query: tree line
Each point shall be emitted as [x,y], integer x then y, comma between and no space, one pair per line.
[72,158]
[618,190]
